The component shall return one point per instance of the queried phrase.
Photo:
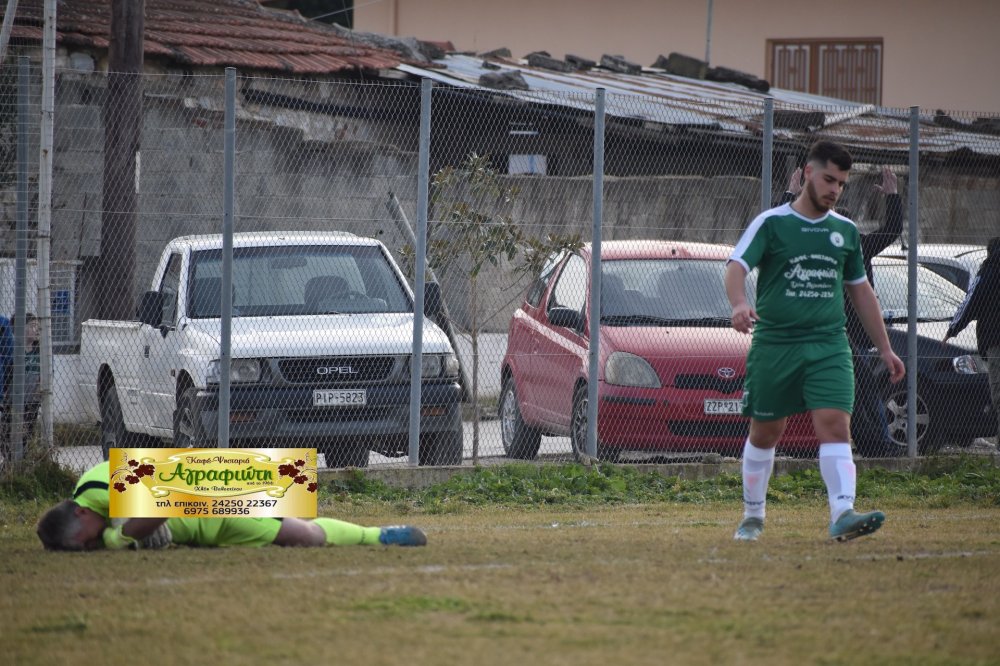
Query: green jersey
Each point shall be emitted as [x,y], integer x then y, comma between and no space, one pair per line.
[803,265]
[91,490]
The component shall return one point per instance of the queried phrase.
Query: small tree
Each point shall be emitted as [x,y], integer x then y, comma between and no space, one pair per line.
[472,220]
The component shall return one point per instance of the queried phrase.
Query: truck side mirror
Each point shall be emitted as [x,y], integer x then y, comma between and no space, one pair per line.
[432,300]
[151,308]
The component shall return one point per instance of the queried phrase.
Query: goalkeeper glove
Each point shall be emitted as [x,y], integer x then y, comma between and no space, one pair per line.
[115,540]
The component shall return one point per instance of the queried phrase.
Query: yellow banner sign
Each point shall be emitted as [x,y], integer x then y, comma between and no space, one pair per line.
[213,483]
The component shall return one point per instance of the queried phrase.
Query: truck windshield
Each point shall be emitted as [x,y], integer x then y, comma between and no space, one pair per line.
[297,280]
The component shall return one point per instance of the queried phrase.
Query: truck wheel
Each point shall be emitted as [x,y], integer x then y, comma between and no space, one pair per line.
[441,448]
[185,430]
[344,455]
[113,433]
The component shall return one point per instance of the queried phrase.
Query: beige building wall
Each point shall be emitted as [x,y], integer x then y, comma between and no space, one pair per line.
[938,55]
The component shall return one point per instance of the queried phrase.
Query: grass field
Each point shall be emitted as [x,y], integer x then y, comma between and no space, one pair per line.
[538,580]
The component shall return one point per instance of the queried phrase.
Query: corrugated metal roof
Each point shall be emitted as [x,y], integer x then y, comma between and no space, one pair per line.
[212,33]
[657,97]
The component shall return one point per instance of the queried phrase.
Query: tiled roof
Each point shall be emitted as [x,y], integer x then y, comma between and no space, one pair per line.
[211,33]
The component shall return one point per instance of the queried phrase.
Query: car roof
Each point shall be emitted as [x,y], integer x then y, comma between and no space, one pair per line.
[271,239]
[660,249]
[939,250]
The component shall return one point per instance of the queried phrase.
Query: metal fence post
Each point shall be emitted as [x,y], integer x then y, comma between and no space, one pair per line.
[226,308]
[595,273]
[913,192]
[420,265]
[20,261]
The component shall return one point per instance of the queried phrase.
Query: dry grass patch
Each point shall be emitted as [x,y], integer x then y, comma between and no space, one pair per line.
[641,584]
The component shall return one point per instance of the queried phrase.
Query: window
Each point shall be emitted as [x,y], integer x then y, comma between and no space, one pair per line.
[571,287]
[537,288]
[169,287]
[849,69]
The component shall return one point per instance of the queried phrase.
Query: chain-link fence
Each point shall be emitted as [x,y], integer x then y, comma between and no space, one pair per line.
[331,206]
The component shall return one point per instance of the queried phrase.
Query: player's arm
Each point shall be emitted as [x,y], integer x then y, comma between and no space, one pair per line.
[869,311]
[131,532]
[743,316]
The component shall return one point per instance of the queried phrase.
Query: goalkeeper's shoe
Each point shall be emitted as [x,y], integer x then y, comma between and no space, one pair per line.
[749,529]
[402,535]
[851,525]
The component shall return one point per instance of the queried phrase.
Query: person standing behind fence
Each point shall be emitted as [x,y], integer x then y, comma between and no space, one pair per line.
[800,358]
[32,377]
[868,400]
[982,303]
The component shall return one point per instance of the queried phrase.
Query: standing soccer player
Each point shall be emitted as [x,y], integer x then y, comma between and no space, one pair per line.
[800,358]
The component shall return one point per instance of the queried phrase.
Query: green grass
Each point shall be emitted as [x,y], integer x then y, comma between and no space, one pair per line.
[947,480]
[542,565]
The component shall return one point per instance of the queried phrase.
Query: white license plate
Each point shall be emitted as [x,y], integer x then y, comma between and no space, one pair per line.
[339,397]
[723,406]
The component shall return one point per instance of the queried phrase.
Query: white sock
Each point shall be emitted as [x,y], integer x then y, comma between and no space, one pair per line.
[757,466]
[836,466]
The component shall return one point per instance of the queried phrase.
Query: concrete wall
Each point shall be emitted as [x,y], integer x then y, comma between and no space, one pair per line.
[936,55]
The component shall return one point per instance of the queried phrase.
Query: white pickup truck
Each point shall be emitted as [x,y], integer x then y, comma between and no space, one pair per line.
[321,345]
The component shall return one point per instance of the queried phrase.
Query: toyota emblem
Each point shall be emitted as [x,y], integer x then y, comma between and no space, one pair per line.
[726,373]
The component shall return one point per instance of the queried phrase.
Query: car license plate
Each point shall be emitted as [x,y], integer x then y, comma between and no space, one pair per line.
[723,406]
[339,397]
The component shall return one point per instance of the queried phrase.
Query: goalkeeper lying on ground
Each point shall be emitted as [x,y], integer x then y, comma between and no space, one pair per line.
[82,523]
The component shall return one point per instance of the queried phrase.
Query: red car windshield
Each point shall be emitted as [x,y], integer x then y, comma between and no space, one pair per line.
[650,291]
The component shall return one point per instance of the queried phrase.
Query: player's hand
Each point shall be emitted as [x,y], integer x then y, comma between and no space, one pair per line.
[161,538]
[743,318]
[114,539]
[795,182]
[894,364]
[889,182]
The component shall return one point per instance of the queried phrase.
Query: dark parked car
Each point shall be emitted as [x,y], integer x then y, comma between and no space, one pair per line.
[953,396]
[954,262]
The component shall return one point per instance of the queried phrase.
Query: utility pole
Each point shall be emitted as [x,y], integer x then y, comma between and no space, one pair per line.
[708,36]
[113,276]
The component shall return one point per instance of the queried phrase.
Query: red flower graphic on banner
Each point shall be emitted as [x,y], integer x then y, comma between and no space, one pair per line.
[300,474]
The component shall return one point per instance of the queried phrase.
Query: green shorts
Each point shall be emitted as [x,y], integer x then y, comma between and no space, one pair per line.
[785,379]
[254,532]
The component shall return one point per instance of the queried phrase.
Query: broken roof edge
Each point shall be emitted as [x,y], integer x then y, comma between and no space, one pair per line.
[709,105]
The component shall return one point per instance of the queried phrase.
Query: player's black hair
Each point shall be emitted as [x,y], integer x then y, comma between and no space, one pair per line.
[828,151]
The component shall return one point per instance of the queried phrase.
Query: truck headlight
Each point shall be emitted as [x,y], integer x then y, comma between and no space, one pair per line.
[436,366]
[241,371]
[969,364]
[624,369]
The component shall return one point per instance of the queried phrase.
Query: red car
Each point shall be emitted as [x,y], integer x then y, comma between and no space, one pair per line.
[670,366]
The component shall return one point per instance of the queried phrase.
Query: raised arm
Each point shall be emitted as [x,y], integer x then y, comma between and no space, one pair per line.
[892,225]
